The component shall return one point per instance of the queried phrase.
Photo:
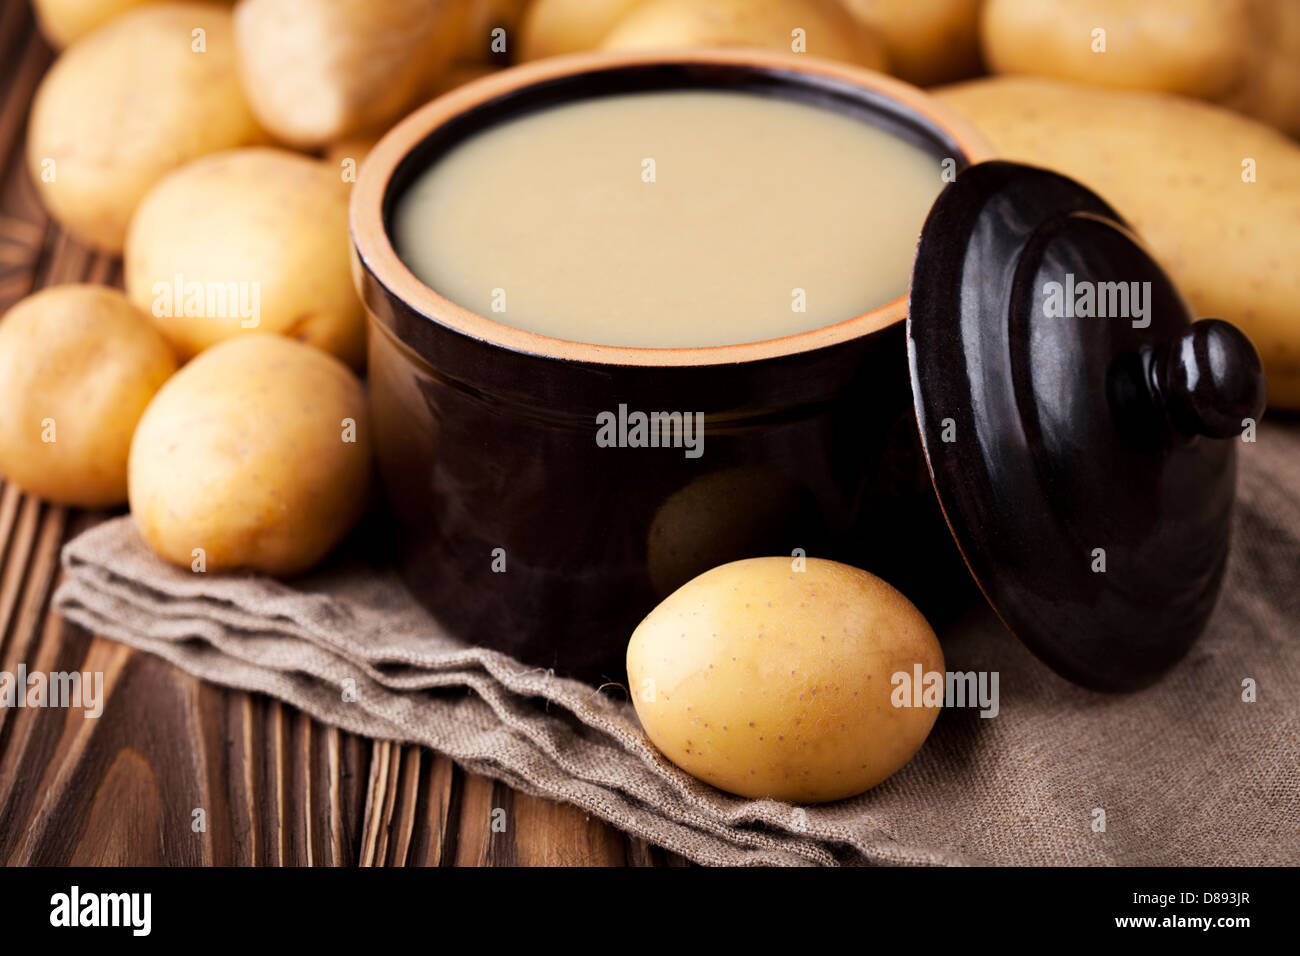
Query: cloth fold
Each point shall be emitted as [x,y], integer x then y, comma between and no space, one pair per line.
[1186,772]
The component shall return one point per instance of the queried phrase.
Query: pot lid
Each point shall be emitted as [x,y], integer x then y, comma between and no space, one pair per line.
[1079,427]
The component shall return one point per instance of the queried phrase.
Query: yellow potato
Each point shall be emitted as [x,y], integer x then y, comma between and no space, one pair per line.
[926,41]
[1244,54]
[827,29]
[150,90]
[247,240]
[63,21]
[1174,168]
[766,681]
[255,456]
[320,70]
[78,365]
[555,27]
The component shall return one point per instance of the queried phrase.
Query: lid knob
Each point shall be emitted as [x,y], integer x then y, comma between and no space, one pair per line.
[1211,379]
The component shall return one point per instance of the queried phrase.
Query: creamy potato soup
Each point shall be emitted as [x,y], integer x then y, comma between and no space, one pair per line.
[670,219]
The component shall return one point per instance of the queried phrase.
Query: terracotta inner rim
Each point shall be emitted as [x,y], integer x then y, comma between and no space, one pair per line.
[423,136]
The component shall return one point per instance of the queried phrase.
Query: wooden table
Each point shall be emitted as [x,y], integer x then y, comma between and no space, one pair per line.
[276,787]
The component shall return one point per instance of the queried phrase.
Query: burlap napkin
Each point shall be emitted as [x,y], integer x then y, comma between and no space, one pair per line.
[1186,772]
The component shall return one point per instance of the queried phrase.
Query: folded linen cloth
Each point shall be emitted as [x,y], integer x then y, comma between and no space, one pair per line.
[1186,772]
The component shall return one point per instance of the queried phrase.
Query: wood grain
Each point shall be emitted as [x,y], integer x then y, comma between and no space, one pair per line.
[176,771]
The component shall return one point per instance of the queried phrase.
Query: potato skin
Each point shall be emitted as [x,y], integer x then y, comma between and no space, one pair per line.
[669,24]
[555,27]
[81,357]
[65,21]
[242,455]
[320,70]
[1244,54]
[128,103]
[1172,167]
[769,682]
[275,221]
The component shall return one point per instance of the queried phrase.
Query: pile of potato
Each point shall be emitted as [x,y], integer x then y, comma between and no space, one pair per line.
[175,135]
[212,146]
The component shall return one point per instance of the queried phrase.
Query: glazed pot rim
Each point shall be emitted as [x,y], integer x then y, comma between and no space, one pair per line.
[374,251]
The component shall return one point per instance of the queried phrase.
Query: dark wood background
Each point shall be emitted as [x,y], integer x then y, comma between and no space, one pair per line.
[276,786]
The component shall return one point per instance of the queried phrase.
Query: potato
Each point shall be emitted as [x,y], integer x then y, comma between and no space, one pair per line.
[767,681]
[555,27]
[1174,168]
[138,97]
[828,29]
[78,365]
[321,70]
[926,41]
[63,21]
[1241,53]
[255,456]
[251,239]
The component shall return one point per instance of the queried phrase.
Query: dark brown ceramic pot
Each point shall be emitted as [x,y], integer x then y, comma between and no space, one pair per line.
[521,531]
[516,527]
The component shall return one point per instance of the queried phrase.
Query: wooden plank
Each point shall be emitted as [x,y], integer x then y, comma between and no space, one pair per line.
[273,774]
[24,225]
[38,584]
[116,793]
[557,834]
[434,840]
[354,770]
[302,803]
[376,799]
[407,807]
[12,576]
[475,845]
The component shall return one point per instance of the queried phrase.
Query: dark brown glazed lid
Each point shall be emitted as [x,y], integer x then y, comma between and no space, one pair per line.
[1085,464]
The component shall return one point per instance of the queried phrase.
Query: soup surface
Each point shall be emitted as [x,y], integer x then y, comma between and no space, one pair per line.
[670,219]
